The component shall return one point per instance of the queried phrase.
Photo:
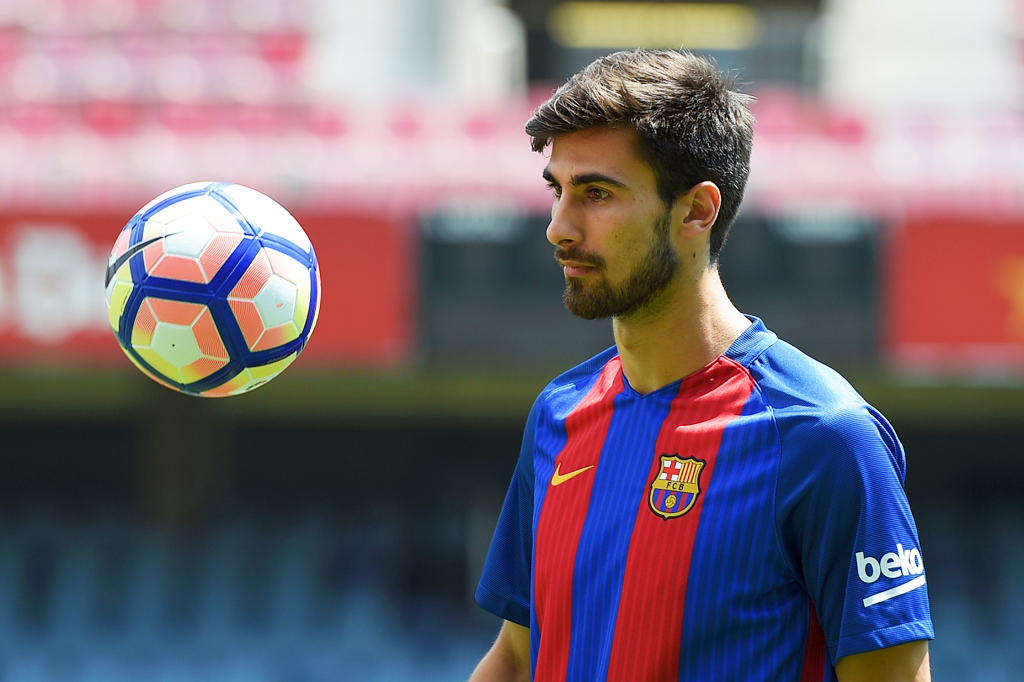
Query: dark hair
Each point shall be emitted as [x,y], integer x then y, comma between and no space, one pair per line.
[692,125]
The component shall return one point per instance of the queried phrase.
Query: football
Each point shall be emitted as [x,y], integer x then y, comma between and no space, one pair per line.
[212,289]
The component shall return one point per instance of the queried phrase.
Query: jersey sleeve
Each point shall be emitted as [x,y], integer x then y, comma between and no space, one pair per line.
[847,530]
[504,587]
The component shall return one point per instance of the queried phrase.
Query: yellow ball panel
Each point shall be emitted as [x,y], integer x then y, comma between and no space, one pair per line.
[271,370]
[119,293]
[147,372]
[302,296]
[250,378]
[159,364]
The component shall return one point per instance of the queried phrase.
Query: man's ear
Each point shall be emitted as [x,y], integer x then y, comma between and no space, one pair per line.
[698,209]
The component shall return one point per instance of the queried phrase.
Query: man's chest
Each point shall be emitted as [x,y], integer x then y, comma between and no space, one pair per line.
[639,507]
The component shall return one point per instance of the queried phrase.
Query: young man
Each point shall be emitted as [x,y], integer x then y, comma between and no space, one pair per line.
[701,501]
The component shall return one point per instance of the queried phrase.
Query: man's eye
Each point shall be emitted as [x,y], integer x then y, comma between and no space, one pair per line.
[597,193]
[556,190]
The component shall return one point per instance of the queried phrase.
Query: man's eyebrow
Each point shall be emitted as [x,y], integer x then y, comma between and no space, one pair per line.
[600,178]
[586,179]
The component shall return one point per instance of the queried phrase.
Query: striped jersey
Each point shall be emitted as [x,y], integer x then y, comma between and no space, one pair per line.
[745,523]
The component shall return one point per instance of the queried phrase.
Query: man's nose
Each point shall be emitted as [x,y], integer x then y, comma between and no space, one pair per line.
[564,230]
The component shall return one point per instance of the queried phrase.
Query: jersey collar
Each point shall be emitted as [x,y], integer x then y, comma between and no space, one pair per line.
[751,343]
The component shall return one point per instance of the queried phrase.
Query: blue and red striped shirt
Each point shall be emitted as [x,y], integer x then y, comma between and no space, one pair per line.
[745,523]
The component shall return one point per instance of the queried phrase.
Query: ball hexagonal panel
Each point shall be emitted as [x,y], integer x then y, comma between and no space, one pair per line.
[264,305]
[194,236]
[178,340]
[284,265]
[276,302]
[215,213]
[188,236]
[120,245]
[150,373]
[118,289]
[175,344]
[266,214]
[241,298]
[250,378]
[217,252]
[303,294]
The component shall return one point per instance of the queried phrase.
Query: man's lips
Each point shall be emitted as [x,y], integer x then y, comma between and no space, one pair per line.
[573,268]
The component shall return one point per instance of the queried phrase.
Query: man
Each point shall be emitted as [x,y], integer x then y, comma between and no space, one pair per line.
[701,501]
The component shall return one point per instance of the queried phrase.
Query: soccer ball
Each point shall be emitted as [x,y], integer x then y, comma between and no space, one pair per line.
[212,289]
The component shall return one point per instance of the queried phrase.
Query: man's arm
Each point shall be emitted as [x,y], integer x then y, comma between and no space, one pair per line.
[509,658]
[904,663]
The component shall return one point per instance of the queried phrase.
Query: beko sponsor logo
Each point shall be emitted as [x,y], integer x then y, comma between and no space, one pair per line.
[899,564]
[902,562]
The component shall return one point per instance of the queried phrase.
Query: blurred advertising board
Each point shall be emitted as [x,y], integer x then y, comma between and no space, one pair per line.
[51,289]
[955,297]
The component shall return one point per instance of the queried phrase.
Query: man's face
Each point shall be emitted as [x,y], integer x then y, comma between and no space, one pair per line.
[609,225]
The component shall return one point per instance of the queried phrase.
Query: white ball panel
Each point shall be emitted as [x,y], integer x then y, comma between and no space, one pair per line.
[202,205]
[276,301]
[177,190]
[188,236]
[265,213]
[176,344]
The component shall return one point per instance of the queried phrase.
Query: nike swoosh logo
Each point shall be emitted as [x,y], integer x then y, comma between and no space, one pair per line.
[112,268]
[558,479]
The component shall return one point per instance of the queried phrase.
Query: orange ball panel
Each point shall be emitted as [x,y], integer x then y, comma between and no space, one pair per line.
[249,320]
[121,244]
[180,268]
[210,343]
[175,312]
[254,278]
[151,255]
[145,325]
[216,253]
[201,368]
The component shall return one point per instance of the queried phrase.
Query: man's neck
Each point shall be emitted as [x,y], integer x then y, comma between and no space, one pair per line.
[694,324]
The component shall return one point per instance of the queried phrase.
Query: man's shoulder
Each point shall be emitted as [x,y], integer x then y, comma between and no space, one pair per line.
[791,381]
[790,378]
[818,412]
[582,374]
[576,380]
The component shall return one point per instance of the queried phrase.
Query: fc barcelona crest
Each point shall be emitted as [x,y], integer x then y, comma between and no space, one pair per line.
[675,489]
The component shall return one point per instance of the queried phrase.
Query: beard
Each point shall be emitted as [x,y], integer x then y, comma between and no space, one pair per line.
[637,296]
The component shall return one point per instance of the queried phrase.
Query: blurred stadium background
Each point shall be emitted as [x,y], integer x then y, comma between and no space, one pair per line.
[331,526]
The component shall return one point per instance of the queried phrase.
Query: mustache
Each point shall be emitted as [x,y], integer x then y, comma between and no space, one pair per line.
[580,256]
